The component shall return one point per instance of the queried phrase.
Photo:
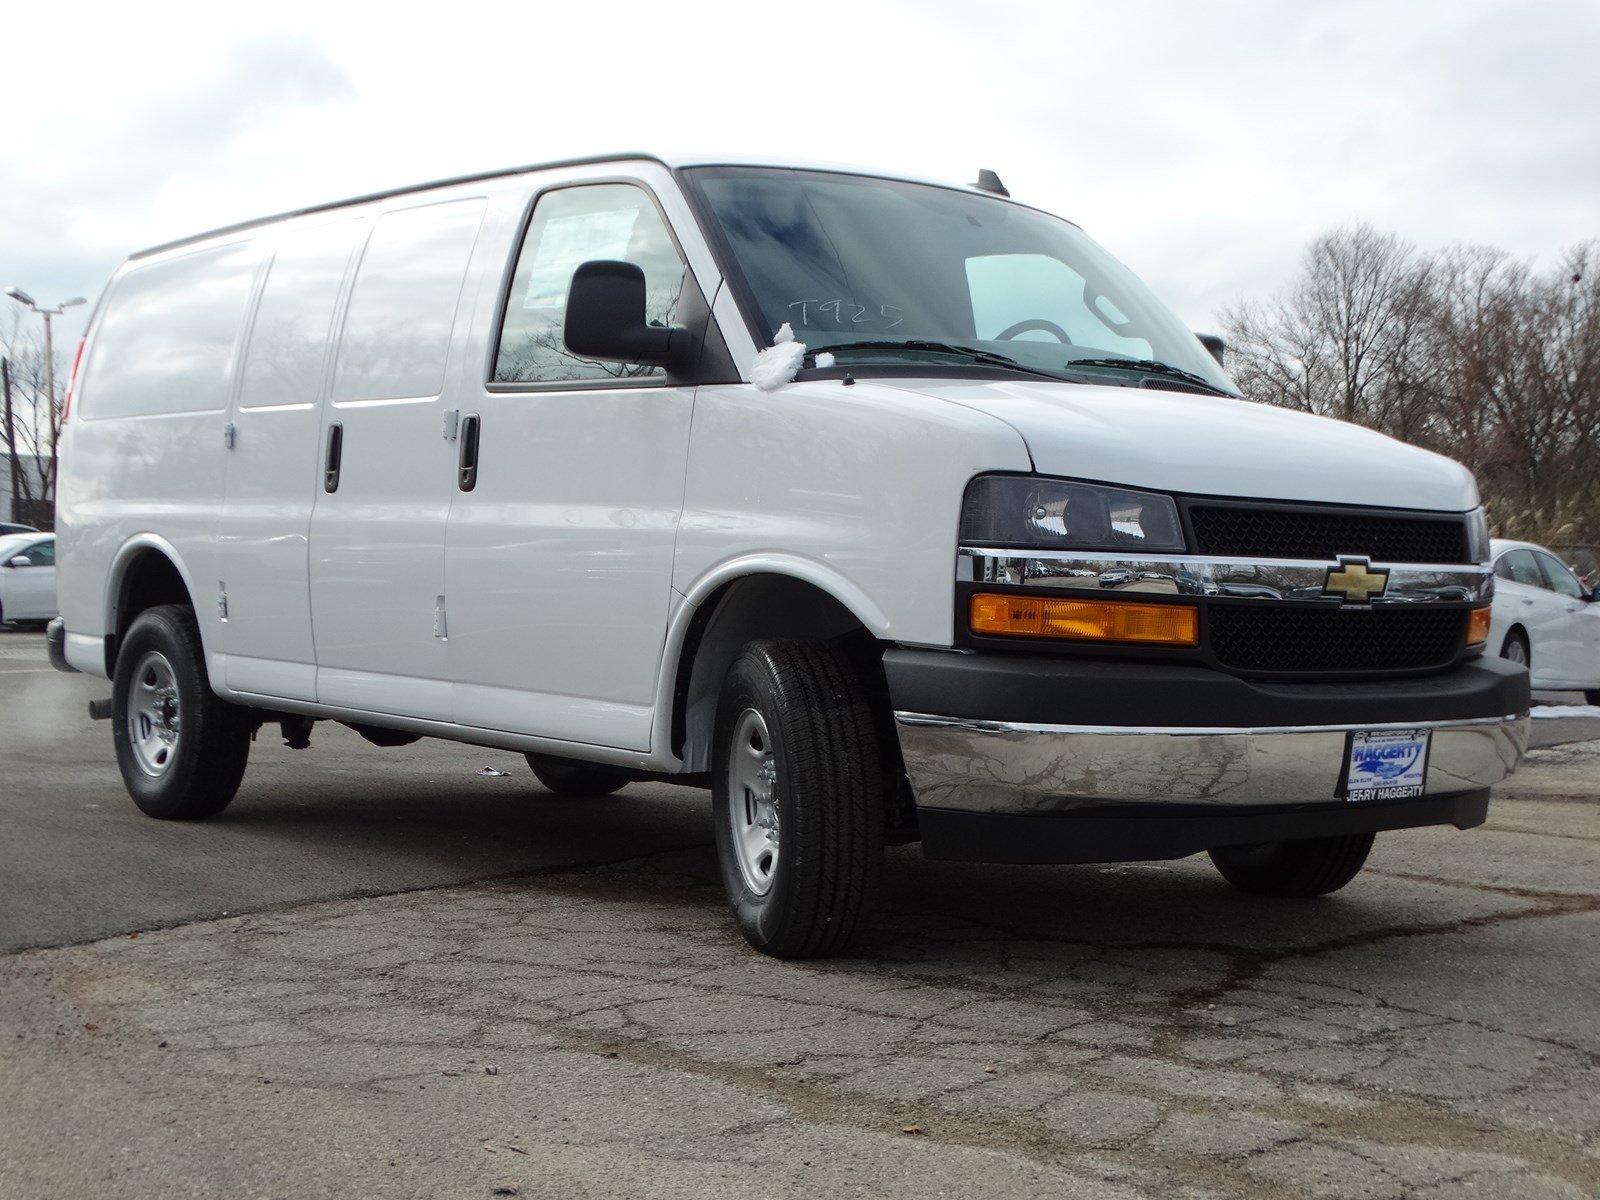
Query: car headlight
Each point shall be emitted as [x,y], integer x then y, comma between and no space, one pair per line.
[1478,536]
[1025,510]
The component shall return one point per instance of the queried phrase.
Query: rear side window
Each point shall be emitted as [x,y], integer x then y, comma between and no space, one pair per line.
[571,226]
[167,338]
[403,308]
[294,320]
[1519,567]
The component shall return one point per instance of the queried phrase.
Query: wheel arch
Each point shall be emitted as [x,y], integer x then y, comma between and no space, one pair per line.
[738,607]
[147,571]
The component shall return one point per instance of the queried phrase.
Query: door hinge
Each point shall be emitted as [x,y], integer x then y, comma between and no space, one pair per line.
[222,601]
[227,435]
[440,630]
[452,422]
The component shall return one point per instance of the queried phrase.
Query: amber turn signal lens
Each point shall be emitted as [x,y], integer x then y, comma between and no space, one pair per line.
[1086,620]
[1478,627]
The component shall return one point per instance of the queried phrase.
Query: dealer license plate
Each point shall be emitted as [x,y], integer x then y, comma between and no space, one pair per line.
[1386,764]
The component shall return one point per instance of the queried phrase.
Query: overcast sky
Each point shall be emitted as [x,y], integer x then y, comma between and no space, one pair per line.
[1203,143]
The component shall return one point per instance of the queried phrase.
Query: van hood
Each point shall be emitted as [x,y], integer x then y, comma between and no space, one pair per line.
[1208,445]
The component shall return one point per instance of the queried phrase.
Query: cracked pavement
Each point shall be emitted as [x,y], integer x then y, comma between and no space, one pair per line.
[1138,1030]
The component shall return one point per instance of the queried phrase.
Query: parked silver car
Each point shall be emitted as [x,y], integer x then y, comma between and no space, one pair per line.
[1544,617]
[27,577]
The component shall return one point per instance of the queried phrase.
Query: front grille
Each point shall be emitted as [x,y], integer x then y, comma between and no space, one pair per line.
[1251,532]
[1266,637]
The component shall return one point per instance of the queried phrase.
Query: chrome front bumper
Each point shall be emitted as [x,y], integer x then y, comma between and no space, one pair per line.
[1002,767]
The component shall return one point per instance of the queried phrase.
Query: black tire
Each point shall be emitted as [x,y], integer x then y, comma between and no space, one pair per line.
[1515,648]
[1592,696]
[796,752]
[569,777]
[1296,869]
[160,687]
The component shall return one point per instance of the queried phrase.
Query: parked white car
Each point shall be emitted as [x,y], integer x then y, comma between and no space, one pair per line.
[1546,619]
[27,577]
[891,510]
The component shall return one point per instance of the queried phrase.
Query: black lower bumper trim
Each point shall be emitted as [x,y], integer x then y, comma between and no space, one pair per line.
[1128,835]
[1040,689]
[55,641]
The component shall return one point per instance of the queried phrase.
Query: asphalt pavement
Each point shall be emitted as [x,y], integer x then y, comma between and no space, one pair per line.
[431,983]
[343,818]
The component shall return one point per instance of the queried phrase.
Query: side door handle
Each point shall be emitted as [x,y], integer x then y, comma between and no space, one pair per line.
[467,464]
[330,471]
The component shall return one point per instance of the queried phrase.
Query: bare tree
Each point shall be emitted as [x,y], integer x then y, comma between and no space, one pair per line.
[1468,352]
[36,423]
[1345,340]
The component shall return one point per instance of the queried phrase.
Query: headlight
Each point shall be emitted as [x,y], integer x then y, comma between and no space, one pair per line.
[1025,510]
[1478,536]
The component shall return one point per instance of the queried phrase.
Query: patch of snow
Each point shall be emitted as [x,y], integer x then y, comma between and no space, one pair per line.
[1565,710]
[779,363]
[824,359]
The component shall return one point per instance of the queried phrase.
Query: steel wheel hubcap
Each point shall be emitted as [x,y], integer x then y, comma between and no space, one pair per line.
[753,802]
[153,725]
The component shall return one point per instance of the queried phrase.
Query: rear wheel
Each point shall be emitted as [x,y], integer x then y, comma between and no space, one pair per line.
[798,798]
[569,777]
[181,748]
[1295,869]
[1515,648]
[1592,695]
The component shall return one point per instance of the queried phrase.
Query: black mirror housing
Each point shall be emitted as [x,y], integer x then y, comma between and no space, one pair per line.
[1215,347]
[606,318]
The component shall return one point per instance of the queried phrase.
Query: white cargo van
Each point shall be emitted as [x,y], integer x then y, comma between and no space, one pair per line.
[997,559]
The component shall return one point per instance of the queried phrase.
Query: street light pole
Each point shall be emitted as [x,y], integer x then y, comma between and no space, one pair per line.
[22,297]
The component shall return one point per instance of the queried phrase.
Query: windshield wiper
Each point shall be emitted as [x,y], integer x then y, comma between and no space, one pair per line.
[1150,366]
[987,358]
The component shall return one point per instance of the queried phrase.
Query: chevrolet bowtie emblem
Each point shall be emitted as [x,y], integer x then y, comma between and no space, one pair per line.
[1355,580]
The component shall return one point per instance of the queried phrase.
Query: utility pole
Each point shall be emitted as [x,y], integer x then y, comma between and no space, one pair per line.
[11,441]
[22,297]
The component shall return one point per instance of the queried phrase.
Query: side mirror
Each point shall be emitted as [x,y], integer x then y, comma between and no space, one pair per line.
[605,318]
[1214,345]
[21,560]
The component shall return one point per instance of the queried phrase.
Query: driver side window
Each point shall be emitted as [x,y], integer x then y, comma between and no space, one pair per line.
[1560,578]
[571,226]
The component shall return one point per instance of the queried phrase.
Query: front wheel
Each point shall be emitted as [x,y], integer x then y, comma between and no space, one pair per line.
[181,748]
[798,798]
[1296,869]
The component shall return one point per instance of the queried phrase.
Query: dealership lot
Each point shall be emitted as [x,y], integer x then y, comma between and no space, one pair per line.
[382,974]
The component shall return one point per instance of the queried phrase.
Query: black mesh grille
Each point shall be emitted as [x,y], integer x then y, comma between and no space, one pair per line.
[1265,637]
[1314,533]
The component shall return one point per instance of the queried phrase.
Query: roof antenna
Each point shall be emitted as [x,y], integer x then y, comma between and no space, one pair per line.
[988,181]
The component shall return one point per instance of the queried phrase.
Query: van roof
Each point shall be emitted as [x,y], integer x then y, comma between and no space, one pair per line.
[671,162]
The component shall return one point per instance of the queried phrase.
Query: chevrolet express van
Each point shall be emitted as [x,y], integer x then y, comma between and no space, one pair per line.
[996,558]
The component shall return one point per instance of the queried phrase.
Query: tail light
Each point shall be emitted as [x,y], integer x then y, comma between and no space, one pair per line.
[72,382]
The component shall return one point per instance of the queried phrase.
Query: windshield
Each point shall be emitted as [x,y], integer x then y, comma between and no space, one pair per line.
[883,271]
[13,544]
